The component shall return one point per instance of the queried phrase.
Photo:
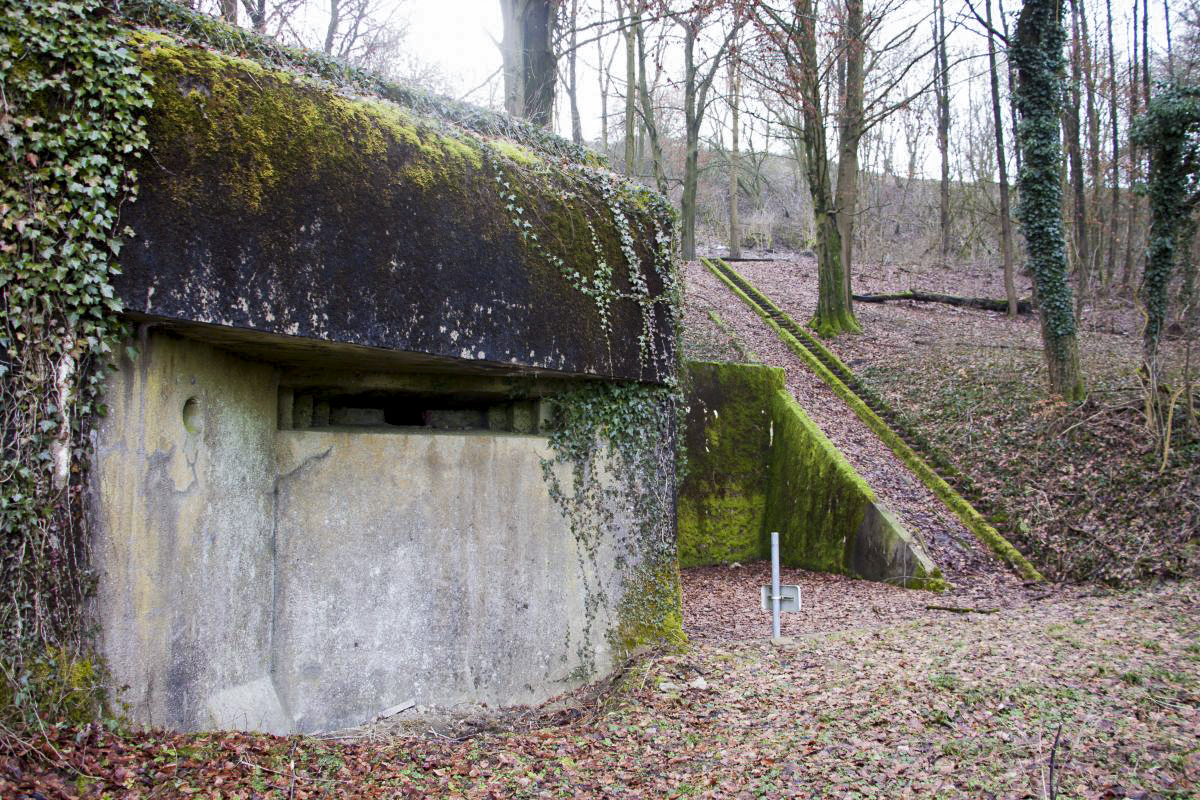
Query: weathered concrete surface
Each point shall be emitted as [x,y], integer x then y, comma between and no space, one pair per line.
[185,514]
[723,496]
[308,579]
[270,204]
[883,546]
[440,570]
[760,465]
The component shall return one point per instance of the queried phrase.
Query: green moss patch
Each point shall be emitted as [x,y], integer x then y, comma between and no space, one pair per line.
[722,499]
[817,500]
[757,463]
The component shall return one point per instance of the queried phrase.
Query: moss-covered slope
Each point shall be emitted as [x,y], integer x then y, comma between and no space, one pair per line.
[275,203]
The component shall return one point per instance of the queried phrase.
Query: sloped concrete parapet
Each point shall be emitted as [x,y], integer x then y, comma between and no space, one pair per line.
[757,463]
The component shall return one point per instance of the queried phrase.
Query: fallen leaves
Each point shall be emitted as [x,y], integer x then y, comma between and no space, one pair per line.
[876,696]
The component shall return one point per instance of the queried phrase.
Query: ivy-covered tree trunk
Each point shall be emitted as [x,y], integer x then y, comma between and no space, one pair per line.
[1036,51]
[1168,132]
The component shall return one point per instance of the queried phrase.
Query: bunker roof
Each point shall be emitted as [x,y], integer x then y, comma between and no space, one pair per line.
[293,207]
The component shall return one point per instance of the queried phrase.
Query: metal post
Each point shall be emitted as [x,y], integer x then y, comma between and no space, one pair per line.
[775,633]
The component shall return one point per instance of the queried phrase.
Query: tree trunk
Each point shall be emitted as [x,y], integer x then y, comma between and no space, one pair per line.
[1131,228]
[257,11]
[649,118]
[942,89]
[630,88]
[332,29]
[850,131]
[695,100]
[1092,114]
[1037,55]
[1166,132]
[604,76]
[691,162]
[1072,139]
[833,315]
[1012,82]
[572,83]
[1115,191]
[1006,248]
[735,86]
[530,65]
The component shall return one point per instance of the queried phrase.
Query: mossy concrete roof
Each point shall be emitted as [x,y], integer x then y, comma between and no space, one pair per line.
[280,212]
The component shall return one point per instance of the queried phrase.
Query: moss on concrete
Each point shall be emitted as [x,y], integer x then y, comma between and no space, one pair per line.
[722,499]
[255,128]
[649,611]
[757,463]
[55,684]
[816,499]
[356,216]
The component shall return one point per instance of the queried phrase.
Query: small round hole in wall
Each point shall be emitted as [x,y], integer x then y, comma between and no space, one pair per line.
[191,415]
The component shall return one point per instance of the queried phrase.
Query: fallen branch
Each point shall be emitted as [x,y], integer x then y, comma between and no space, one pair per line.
[963,610]
[984,303]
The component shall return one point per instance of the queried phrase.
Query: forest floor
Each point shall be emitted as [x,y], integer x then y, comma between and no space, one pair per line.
[1071,693]
[995,689]
[1081,489]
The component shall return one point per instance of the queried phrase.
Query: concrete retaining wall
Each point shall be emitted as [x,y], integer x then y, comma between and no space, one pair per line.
[303,580]
[757,463]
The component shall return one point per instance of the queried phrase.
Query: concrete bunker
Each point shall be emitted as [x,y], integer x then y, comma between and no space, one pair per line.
[327,482]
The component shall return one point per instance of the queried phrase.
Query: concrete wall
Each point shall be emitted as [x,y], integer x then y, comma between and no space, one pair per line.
[443,572]
[306,580]
[757,463]
[185,519]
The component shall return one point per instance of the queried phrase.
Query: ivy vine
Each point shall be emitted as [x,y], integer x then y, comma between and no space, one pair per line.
[1036,52]
[619,441]
[1169,130]
[617,438]
[72,118]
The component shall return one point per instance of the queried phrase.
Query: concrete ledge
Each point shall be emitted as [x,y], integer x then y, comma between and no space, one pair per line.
[367,231]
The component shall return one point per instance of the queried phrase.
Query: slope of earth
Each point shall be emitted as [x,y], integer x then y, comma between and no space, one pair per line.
[962,558]
[1084,695]
[1080,489]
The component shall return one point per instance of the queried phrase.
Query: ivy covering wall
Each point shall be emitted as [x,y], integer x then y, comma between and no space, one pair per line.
[73,124]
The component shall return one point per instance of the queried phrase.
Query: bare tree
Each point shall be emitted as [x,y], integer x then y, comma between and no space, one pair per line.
[735,91]
[942,92]
[1006,245]
[1072,142]
[697,81]
[795,70]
